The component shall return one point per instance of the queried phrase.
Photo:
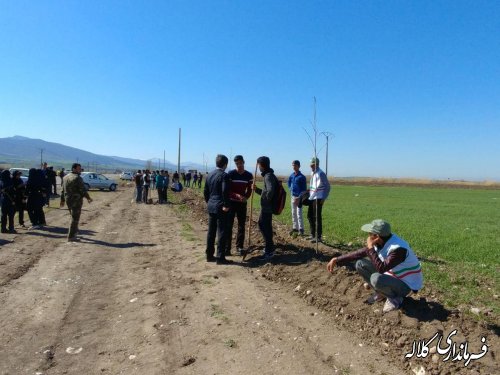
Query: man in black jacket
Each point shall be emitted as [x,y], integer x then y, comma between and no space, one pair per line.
[266,204]
[216,195]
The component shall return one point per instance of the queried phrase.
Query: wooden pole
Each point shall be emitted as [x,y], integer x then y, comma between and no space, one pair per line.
[179,154]
[249,240]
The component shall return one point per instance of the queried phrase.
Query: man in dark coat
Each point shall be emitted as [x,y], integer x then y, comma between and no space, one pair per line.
[216,195]
[8,199]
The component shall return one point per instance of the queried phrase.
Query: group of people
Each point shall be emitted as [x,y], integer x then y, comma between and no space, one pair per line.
[32,196]
[145,180]
[226,195]
[387,263]
[16,196]
[196,177]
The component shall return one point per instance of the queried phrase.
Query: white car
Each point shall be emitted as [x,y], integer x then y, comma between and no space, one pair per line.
[24,171]
[97,181]
[126,176]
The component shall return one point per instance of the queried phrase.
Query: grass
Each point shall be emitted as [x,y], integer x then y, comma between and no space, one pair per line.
[187,232]
[217,313]
[230,343]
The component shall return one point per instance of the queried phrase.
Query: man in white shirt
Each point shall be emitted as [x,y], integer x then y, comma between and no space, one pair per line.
[319,188]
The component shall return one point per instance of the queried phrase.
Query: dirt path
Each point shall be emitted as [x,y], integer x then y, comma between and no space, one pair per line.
[136,296]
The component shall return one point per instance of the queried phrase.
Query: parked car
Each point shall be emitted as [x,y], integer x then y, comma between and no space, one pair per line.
[25,172]
[97,181]
[126,176]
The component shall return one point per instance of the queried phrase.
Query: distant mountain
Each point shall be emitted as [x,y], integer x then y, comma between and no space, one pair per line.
[28,152]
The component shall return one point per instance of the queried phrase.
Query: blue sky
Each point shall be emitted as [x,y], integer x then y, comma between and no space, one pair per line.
[406,88]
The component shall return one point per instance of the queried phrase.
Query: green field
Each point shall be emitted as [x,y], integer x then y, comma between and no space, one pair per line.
[455,232]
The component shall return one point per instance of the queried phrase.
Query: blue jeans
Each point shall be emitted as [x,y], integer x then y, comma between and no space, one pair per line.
[384,284]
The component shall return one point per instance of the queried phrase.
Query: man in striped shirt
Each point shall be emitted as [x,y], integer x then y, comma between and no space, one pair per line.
[392,268]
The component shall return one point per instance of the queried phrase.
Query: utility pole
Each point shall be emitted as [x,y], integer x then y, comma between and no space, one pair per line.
[327,135]
[163,159]
[41,157]
[179,154]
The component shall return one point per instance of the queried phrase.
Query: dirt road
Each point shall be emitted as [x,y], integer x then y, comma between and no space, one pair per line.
[136,296]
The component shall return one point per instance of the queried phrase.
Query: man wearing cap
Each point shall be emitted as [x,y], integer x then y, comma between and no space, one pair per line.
[73,192]
[392,268]
[297,184]
[240,189]
[319,188]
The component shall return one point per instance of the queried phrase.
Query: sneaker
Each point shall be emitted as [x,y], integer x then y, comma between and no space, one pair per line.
[33,227]
[392,304]
[310,238]
[210,258]
[375,297]
[266,256]
[315,240]
[73,239]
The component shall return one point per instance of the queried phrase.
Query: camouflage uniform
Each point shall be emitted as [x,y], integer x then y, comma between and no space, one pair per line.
[73,192]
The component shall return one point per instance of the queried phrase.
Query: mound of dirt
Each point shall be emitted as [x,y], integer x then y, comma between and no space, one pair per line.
[299,268]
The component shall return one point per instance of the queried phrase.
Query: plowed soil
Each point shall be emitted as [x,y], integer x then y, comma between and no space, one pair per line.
[136,296]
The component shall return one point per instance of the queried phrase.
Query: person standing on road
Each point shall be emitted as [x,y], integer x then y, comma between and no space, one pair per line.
[8,201]
[146,180]
[319,188]
[266,204]
[73,192]
[216,194]
[297,184]
[47,184]
[160,186]
[62,173]
[387,264]
[240,189]
[53,180]
[138,186]
[20,194]
[36,200]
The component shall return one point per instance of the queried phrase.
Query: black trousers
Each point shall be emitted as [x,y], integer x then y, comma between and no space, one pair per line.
[8,212]
[311,216]
[238,210]
[266,228]
[217,224]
